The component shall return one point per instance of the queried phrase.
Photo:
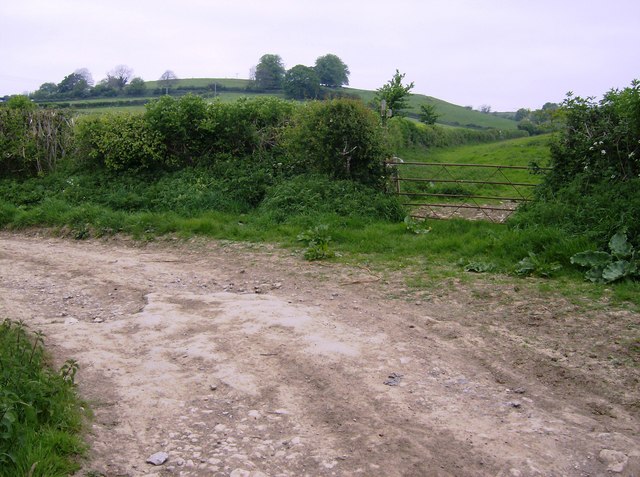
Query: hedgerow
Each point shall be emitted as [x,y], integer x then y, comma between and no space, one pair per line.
[404,133]
[32,141]
[592,189]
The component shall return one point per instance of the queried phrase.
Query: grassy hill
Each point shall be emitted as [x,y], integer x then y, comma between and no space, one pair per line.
[230,89]
[450,114]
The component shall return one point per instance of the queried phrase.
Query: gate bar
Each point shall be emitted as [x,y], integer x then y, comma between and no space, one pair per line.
[466,181]
[461,196]
[445,164]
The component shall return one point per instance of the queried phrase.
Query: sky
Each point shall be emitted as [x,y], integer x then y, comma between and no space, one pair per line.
[506,54]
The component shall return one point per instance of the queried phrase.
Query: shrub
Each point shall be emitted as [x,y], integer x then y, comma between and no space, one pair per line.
[120,142]
[32,141]
[599,141]
[340,138]
[177,123]
[592,188]
[247,126]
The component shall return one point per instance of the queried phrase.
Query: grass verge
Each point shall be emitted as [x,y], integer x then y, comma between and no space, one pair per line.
[40,416]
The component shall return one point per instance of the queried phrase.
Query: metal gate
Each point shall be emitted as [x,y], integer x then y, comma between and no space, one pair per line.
[472,191]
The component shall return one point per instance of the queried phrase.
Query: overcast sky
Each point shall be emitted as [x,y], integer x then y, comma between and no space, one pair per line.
[503,53]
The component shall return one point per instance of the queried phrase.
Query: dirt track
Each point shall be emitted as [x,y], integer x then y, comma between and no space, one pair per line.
[250,362]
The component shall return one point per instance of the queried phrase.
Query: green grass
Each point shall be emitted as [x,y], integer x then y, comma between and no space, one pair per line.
[40,417]
[445,251]
[203,83]
[514,152]
[450,114]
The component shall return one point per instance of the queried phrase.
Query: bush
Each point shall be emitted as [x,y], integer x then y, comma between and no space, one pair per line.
[594,211]
[318,194]
[599,141]
[32,141]
[247,126]
[592,188]
[120,142]
[340,138]
[178,125]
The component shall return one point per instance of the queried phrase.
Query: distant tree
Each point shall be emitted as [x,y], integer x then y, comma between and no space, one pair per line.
[332,71]
[119,77]
[270,72]
[136,87]
[521,114]
[105,87]
[538,121]
[485,108]
[86,74]
[394,94]
[45,91]
[428,114]
[73,85]
[301,82]
[167,80]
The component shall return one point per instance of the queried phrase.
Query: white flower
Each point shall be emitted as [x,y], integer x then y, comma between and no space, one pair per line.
[591,148]
[603,152]
[601,143]
[633,153]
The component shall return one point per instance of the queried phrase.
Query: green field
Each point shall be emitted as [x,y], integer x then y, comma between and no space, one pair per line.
[203,83]
[515,152]
[451,114]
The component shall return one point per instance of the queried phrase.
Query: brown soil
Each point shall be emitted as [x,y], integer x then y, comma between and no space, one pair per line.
[243,360]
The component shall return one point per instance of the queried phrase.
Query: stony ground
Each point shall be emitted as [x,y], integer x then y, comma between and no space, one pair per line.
[248,361]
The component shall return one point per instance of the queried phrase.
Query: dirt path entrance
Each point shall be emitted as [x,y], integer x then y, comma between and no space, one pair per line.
[251,362]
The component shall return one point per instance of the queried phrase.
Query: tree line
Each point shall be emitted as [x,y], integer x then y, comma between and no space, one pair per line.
[300,81]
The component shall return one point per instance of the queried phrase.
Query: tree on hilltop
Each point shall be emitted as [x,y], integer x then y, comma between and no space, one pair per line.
[167,80]
[301,82]
[136,87]
[86,74]
[269,72]
[74,85]
[332,71]
[119,77]
[46,91]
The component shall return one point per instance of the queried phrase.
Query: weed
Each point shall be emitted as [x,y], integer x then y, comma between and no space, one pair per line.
[39,414]
[535,265]
[479,267]
[415,226]
[317,241]
[622,262]
[68,371]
